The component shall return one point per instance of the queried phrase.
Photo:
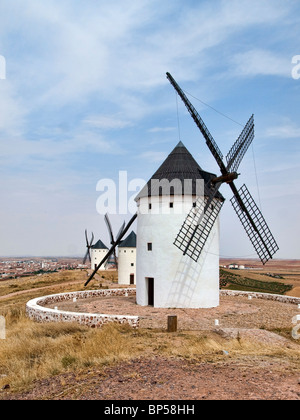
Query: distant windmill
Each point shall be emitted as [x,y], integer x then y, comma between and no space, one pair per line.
[89,245]
[114,242]
[112,239]
[195,230]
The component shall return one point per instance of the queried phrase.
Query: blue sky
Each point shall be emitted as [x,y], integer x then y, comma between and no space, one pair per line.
[86,96]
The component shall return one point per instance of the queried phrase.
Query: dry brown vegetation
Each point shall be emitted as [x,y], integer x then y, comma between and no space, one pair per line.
[35,352]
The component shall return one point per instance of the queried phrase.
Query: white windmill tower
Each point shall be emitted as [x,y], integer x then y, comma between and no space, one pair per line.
[127,260]
[95,252]
[165,277]
[98,252]
[178,226]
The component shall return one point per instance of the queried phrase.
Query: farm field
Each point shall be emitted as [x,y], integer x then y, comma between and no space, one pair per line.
[286,272]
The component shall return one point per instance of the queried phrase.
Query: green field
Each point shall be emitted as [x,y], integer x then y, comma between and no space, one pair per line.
[233,281]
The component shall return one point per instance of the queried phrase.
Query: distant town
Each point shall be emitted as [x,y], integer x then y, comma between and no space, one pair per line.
[11,268]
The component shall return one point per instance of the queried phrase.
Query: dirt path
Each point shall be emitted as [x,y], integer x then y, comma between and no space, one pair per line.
[233,312]
[173,379]
[37,289]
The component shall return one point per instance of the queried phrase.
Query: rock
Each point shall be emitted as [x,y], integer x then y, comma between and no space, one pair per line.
[5,387]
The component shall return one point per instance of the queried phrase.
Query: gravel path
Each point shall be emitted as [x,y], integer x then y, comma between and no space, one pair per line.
[233,312]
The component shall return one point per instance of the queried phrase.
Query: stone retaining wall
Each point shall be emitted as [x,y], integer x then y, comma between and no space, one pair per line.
[265,296]
[37,312]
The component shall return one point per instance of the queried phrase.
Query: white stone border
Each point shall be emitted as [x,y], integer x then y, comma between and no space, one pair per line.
[37,312]
[266,296]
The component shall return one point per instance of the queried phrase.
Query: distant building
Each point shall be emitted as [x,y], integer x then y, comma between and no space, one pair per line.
[127,260]
[233,266]
[98,252]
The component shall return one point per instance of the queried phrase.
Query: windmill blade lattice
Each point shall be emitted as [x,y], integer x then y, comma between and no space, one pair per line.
[259,232]
[121,231]
[113,248]
[192,242]
[197,227]
[212,145]
[112,239]
[240,147]
[89,244]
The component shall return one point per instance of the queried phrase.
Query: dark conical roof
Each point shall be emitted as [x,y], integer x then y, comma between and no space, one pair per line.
[180,165]
[99,245]
[129,242]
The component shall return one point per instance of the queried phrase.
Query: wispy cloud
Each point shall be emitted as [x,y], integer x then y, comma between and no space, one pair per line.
[286,131]
[154,157]
[85,86]
[107,122]
[259,62]
[161,129]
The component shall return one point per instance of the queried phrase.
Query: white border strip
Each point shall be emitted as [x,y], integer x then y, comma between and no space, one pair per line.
[37,312]
[266,296]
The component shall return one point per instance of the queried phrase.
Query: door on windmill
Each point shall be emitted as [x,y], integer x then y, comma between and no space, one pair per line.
[131,279]
[150,287]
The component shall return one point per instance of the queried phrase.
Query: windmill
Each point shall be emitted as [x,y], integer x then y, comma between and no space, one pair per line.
[89,245]
[197,226]
[112,240]
[115,242]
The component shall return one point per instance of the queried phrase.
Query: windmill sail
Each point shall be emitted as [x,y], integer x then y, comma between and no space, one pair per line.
[212,145]
[197,227]
[113,248]
[254,224]
[112,239]
[244,205]
[88,245]
[240,147]
[108,224]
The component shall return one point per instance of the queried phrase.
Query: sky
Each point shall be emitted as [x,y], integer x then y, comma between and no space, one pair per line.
[84,95]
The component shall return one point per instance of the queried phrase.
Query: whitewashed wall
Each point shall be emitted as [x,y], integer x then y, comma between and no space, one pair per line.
[126,257]
[179,282]
[97,256]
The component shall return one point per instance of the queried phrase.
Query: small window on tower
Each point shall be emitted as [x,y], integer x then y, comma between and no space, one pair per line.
[150,206]
[171,205]
[149,245]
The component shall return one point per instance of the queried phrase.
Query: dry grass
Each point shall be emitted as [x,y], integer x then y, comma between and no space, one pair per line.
[74,279]
[209,345]
[34,351]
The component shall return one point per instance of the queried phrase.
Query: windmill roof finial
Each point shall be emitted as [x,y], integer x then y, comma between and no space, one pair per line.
[180,144]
